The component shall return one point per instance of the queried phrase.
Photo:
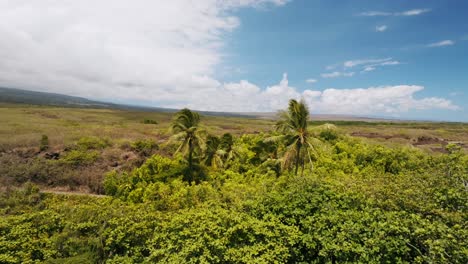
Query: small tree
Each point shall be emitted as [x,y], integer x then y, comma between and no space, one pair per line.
[293,124]
[213,152]
[186,131]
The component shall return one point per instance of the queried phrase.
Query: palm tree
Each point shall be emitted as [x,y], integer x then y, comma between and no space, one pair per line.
[213,152]
[185,129]
[293,123]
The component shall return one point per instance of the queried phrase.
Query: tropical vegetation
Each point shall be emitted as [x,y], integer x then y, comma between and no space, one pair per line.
[298,193]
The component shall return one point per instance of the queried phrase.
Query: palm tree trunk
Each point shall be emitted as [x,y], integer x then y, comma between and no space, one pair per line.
[190,162]
[302,169]
[298,153]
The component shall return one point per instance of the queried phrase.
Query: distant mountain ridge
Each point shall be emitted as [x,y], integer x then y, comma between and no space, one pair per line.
[12,95]
[20,96]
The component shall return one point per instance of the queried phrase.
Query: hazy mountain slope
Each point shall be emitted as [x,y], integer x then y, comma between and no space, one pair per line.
[10,95]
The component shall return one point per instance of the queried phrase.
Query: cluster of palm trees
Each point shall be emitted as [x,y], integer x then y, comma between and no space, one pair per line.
[216,151]
[213,151]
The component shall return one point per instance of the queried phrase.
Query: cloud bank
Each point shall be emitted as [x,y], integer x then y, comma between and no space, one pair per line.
[383,100]
[143,50]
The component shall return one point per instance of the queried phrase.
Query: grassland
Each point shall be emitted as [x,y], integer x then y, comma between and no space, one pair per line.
[22,127]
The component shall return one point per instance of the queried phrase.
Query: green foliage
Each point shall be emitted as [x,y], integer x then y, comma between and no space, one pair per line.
[221,236]
[328,132]
[145,146]
[131,185]
[293,125]
[80,157]
[185,128]
[150,121]
[44,144]
[89,143]
[360,203]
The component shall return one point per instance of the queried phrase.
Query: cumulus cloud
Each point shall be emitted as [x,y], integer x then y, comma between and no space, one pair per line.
[159,51]
[412,12]
[388,100]
[311,81]
[381,28]
[337,74]
[383,100]
[442,43]
[242,97]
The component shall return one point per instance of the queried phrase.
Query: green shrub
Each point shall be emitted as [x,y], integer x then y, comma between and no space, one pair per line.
[150,121]
[88,143]
[155,169]
[80,157]
[146,147]
[44,144]
[328,134]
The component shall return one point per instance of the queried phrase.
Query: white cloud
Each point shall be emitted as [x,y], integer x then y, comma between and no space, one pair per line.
[337,74]
[375,13]
[389,63]
[310,94]
[368,65]
[311,80]
[157,51]
[383,100]
[381,28]
[353,63]
[441,43]
[242,97]
[412,12]
[368,69]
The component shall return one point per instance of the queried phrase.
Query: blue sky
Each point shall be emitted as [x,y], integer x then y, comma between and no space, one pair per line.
[399,59]
[304,37]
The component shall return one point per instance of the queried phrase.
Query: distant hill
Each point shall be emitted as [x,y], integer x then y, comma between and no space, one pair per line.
[19,96]
[11,95]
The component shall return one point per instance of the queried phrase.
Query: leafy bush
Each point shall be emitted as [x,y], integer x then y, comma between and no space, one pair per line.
[359,203]
[328,134]
[44,144]
[80,157]
[88,143]
[150,121]
[155,169]
[145,146]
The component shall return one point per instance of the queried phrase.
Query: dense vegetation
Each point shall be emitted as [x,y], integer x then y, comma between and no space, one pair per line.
[295,194]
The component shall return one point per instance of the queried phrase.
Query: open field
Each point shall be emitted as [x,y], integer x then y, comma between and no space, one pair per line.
[22,127]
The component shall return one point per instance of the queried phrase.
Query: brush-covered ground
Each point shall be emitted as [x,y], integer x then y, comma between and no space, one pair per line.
[378,192]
